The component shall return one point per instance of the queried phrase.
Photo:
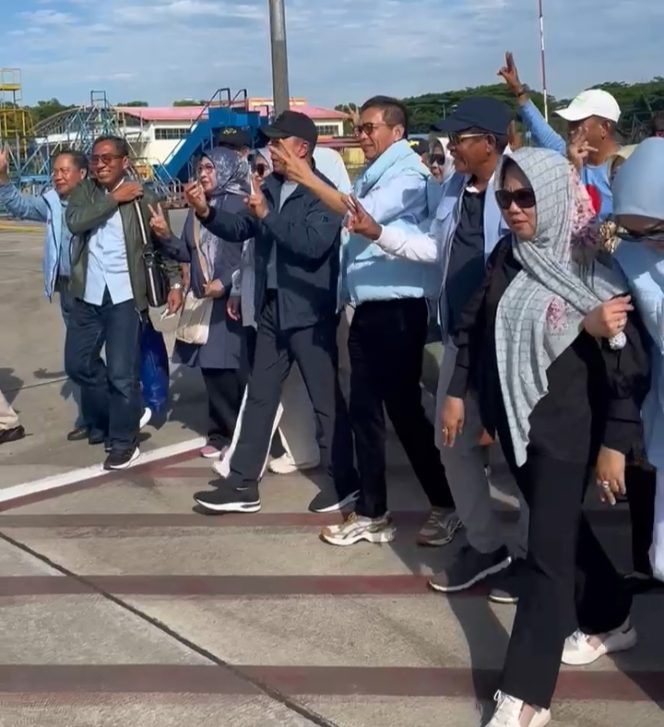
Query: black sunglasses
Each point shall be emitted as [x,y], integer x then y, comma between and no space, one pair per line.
[522,198]
[437,159]
[656,234]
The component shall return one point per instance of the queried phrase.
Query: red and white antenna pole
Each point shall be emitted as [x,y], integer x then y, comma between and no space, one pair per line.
[543,59]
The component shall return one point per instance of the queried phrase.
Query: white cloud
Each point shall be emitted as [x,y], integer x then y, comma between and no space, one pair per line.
[339,50]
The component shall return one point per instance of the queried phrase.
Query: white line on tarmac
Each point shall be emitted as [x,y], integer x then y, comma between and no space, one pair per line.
[54,482]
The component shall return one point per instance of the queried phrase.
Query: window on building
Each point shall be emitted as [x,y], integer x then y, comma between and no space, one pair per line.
[327,129]
[165,133]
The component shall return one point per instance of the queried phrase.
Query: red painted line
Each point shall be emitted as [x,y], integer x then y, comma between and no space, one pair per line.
[158,521]
[63,680]
[201,585]
[136,475]
[126,679]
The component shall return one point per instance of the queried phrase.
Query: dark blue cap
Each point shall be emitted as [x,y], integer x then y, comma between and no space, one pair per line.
[478,112]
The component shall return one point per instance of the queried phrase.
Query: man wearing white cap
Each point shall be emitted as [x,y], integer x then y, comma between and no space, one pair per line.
[592,117]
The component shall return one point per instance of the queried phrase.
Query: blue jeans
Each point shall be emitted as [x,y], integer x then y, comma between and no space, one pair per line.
[111,391]
[66,305]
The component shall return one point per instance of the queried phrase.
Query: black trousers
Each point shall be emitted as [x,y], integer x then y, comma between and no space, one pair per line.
[386,346]
[315,350]
[641,489]
[569,581]
[225,388]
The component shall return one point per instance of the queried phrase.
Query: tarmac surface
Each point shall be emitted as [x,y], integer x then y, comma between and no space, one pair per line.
[120,605]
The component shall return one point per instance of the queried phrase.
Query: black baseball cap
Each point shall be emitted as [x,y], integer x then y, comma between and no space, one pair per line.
[478,112]
[234,137]
[292,123]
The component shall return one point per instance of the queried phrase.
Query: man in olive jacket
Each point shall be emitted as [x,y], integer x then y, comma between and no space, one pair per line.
[109,287]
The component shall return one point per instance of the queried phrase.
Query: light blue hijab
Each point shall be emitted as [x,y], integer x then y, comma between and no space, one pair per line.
[638,189]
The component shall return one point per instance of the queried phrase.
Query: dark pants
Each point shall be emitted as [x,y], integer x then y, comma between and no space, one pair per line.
[641,489]
[111,391]
[386,346]
[66,305]
[315,350]
[569,581]
[225,388]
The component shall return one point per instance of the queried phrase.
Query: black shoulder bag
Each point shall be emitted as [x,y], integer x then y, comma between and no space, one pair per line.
[155,276]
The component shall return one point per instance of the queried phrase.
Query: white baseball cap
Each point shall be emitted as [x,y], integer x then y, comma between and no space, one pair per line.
[593,102]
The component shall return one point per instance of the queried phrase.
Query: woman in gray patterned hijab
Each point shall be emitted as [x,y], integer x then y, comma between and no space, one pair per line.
[561,403]
[541,312]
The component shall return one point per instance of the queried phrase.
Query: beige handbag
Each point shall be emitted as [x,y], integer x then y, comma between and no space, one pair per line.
[194,326]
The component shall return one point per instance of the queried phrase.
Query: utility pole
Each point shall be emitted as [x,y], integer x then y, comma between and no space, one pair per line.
[279,56]
[543,60]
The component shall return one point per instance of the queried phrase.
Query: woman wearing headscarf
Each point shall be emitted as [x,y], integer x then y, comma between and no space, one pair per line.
[638,192]
[561,404]
[226,179]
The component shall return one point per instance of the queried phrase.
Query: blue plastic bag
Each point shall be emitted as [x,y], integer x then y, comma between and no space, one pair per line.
[154,369]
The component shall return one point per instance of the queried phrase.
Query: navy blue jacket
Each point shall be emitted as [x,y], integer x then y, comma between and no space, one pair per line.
[307,235]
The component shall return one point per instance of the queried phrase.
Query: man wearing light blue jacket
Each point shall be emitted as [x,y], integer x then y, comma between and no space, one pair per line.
[69,168]
[459,239]
[388,331]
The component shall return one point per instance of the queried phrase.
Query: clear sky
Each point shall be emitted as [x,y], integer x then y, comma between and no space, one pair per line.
[339,50]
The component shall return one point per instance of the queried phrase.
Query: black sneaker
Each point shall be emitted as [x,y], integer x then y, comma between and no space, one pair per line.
[12,435]
[509,583]
[78,434]
[230,498]
[470,567]
[122,459]
[327,501]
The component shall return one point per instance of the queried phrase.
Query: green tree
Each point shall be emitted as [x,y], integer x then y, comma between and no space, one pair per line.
[189,102]
[134,104]
[352,109]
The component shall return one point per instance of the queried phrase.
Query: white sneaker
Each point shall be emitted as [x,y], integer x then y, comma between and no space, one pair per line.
[286,465]
[508,713]
[356,528]
[145,417]
[581,649]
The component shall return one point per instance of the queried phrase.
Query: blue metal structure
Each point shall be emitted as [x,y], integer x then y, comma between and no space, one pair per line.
[221,111]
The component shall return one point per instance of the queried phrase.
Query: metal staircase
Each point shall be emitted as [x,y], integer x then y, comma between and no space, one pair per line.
[221,111]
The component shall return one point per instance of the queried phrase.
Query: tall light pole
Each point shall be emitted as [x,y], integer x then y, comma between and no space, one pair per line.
[543,61]
[279,56]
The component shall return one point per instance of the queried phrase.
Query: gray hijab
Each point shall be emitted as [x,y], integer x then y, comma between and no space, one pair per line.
[233,177]
[540,313]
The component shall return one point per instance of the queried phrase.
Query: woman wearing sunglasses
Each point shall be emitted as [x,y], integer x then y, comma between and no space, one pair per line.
[561,404]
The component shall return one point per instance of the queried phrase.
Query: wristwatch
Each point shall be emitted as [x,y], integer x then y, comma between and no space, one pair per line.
[524,90]
[177,286]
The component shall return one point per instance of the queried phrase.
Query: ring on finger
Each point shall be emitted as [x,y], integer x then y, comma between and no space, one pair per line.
[605,485]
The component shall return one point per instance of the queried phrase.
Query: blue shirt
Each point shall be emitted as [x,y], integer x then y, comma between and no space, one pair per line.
[107,264]
[545,136]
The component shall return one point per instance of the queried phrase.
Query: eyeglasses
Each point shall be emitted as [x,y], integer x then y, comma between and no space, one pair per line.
[260,169]
[456,138]
[368,128]
[97,159]
[523,198]
[437,159]
[205,168]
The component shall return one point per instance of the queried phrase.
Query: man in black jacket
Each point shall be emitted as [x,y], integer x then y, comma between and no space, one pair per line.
[297,269]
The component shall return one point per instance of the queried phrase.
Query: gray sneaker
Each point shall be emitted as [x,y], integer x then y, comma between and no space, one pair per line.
[469,568]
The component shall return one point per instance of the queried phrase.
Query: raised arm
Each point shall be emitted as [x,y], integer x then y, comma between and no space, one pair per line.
[543,134]
[23,206]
